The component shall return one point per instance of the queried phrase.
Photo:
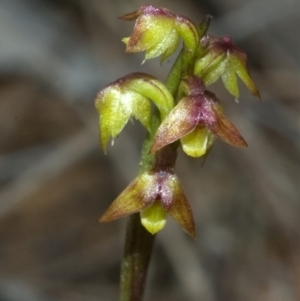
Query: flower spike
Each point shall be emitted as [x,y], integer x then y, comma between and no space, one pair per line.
[223,59]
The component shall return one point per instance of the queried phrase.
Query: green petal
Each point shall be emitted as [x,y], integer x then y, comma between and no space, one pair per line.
[141,110]
[242,71]
[209,60]
[113,114]
[150,87]
[179,209]
[215,70]
[195,144]
[154,218]
[202,63]
[133,199]
[173,42]
[230,81]
[188,31]
[177,124]
[165,47]
[148,32]
[225,130]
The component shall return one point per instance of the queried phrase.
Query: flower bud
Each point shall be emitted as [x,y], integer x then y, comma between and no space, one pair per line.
[157,32]
[223,59]
[129,96]
[203,26]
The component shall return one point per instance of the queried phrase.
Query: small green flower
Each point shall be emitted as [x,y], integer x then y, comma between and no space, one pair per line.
[221,58]
[157,32]
[129,96]
[154,194]
[195,120]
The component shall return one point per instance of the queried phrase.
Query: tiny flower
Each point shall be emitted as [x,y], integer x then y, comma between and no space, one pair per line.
[157,32]
[223,59]
[194,119]
[154,194]
[129,96]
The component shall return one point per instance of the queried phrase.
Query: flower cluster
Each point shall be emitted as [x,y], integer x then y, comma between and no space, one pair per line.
[190,114]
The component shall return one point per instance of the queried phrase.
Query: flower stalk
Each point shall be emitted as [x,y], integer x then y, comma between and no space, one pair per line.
[136,258]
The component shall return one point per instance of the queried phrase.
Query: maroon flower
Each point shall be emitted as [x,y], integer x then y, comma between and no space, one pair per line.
[154,193]
[194,118]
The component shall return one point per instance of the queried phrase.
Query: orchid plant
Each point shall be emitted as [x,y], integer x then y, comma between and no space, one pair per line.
[182,112]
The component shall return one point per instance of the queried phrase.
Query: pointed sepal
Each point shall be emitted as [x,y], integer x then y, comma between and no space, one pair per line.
[179,209]
[133,199]
[181,121]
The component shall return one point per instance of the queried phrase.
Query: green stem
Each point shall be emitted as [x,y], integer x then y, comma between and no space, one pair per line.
[137,253]
[180,69]
[173,79]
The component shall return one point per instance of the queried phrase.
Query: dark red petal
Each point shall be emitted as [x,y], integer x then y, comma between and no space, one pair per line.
[179,209]
[225,130]
[131,200]
[180,121]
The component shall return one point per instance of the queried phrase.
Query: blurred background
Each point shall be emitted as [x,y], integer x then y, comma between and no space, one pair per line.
[55,181]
